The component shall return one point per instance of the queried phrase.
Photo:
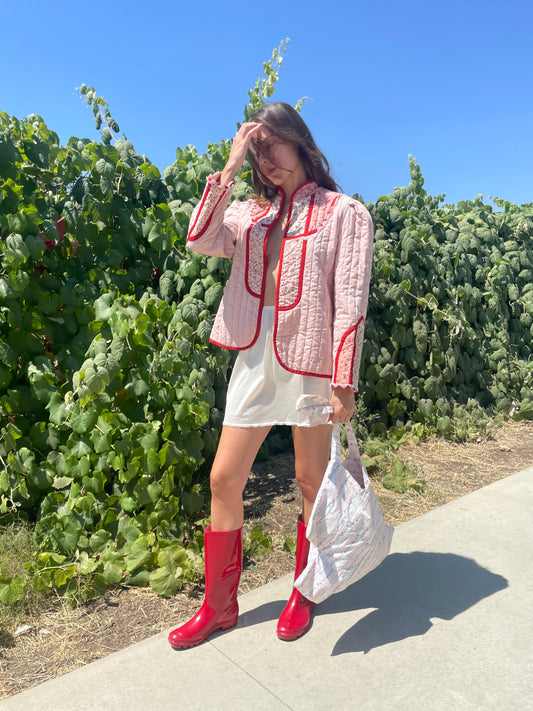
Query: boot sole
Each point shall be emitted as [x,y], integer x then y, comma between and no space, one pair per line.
[188,644]
[290,637]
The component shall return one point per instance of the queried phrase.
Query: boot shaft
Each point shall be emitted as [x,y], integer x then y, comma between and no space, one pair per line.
[302,548]
[223,561]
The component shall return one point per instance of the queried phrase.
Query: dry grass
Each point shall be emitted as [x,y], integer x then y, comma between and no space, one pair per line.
[65,638]
[452,470]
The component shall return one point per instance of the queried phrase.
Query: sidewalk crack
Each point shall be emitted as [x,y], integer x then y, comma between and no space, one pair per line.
[238,666]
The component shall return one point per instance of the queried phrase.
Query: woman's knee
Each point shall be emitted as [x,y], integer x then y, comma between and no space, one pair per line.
[309,479]
[224,482]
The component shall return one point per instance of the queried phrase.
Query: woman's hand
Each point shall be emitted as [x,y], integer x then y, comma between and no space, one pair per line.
[343,404]
[239,148]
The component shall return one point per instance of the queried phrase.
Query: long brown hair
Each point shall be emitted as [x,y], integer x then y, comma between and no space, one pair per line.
[286,122]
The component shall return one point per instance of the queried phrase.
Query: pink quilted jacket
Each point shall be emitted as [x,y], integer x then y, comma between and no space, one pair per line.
[323,276]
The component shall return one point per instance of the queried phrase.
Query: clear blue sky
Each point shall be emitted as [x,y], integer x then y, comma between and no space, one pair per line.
[450,83]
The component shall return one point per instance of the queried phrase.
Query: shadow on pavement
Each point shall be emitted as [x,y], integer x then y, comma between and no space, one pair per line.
[407,590]
[264,613]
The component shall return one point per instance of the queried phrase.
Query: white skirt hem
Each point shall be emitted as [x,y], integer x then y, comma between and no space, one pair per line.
[276,424]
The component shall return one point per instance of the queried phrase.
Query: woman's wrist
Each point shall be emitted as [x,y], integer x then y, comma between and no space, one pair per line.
[227,176]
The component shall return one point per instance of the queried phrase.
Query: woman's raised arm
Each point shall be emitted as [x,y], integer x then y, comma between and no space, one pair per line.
[239,148]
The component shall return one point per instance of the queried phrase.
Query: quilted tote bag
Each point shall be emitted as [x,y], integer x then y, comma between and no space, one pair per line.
[348,536]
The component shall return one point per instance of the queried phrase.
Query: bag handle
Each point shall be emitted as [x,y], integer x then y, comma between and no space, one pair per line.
[353,447]
[316,404]
[353,462]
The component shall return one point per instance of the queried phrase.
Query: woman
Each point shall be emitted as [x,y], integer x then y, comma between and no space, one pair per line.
[294,308]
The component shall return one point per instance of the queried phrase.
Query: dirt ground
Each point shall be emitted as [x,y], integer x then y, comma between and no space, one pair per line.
[65,639]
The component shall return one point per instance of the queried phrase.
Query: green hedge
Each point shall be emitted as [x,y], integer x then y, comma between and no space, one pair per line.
[450,318]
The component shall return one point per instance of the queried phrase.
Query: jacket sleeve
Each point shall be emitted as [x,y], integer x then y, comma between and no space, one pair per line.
[213,226]
[353,266]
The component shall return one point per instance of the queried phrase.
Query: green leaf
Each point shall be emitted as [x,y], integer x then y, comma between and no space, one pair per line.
[172,556]
[64,574]
[36,246]
[66,534]
[4,481]
[113,572]
[141,579]
[213,296]
[96,382]
[128,503]
[78,446]
[16,250]
[154,491]
[204,330]
[164,582]
[95,482]
[61,482]
[137,388]
[5,377]
[85,564]
[7,355]
[101,442]
[56,409]
[83,421]
[141,492]
[12,590]
[139,555]
[289,545]
[259,540]
[192,502]
[98,540]
[150,441]
[103,307]
[105,167]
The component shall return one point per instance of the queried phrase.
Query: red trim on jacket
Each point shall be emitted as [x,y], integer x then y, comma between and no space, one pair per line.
[277,306]
[361,320]
[247,264]
[233,348]
[286,367]
[299,187]
[190,238]
[309,214]
[339,351]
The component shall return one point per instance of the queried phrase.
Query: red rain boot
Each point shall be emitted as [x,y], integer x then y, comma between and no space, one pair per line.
[296,616]
[220,610]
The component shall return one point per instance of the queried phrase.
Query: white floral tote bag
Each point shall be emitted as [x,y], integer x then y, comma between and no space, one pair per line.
[348,536]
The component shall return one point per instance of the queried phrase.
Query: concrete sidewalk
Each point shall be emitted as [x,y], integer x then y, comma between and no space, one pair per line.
[445,623]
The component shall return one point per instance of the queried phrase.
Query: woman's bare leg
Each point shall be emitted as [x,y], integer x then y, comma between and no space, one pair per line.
[311,454]
[235,455]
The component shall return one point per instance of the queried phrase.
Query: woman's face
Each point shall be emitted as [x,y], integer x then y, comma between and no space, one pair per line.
[278,158]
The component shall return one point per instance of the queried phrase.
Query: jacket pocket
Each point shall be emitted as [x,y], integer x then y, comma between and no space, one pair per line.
[291,273]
